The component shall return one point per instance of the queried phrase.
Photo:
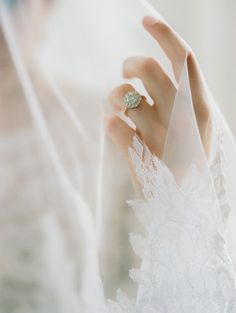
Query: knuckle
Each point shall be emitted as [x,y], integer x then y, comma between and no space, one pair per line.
[190,56]
[203,113]
[166,83]
[117,94]
[124,88]
[119,91]
[148,65]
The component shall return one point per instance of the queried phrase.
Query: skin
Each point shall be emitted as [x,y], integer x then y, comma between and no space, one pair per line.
[149,119]
[153,119]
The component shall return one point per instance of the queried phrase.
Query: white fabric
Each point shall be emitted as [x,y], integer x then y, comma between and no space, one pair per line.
[64,245]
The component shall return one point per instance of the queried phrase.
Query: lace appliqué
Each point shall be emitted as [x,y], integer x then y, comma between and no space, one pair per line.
[185,263]
[217,170]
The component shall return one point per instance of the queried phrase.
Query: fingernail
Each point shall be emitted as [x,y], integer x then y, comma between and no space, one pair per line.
[150,21]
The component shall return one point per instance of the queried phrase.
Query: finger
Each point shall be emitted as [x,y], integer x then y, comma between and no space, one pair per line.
[122,136]
[171,43]
[198,89]
[155,80]
[177,50]
[144,116]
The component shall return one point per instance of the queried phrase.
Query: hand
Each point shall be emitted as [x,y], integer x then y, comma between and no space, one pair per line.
[154,119]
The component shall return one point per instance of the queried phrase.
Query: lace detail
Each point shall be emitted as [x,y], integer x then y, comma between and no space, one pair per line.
[217,170]
[185,263]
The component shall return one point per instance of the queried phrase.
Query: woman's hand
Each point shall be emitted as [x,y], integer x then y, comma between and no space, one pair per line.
[151,120]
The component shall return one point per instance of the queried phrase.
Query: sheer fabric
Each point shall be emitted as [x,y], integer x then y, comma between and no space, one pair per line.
[64,187]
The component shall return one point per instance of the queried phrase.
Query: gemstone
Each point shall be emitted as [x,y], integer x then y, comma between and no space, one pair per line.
[132,99]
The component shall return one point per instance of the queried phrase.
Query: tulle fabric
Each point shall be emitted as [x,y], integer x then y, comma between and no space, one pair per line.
[65,186]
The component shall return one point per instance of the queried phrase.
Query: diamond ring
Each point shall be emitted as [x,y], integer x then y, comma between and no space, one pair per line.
[131,100]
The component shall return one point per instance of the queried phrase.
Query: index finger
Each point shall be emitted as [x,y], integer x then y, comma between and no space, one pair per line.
[177,50]
[172,44]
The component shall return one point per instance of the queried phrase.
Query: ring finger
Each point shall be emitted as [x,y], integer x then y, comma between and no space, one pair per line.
[144,116]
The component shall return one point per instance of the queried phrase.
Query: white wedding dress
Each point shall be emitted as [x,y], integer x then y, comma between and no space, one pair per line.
[185,262]
[62,184]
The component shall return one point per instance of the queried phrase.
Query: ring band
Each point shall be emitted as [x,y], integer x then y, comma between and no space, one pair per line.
[131,100]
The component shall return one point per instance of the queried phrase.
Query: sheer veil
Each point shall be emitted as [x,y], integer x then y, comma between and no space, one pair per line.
[83,179]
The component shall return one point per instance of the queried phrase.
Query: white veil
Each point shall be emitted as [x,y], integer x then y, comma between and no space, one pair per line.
[82,183]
